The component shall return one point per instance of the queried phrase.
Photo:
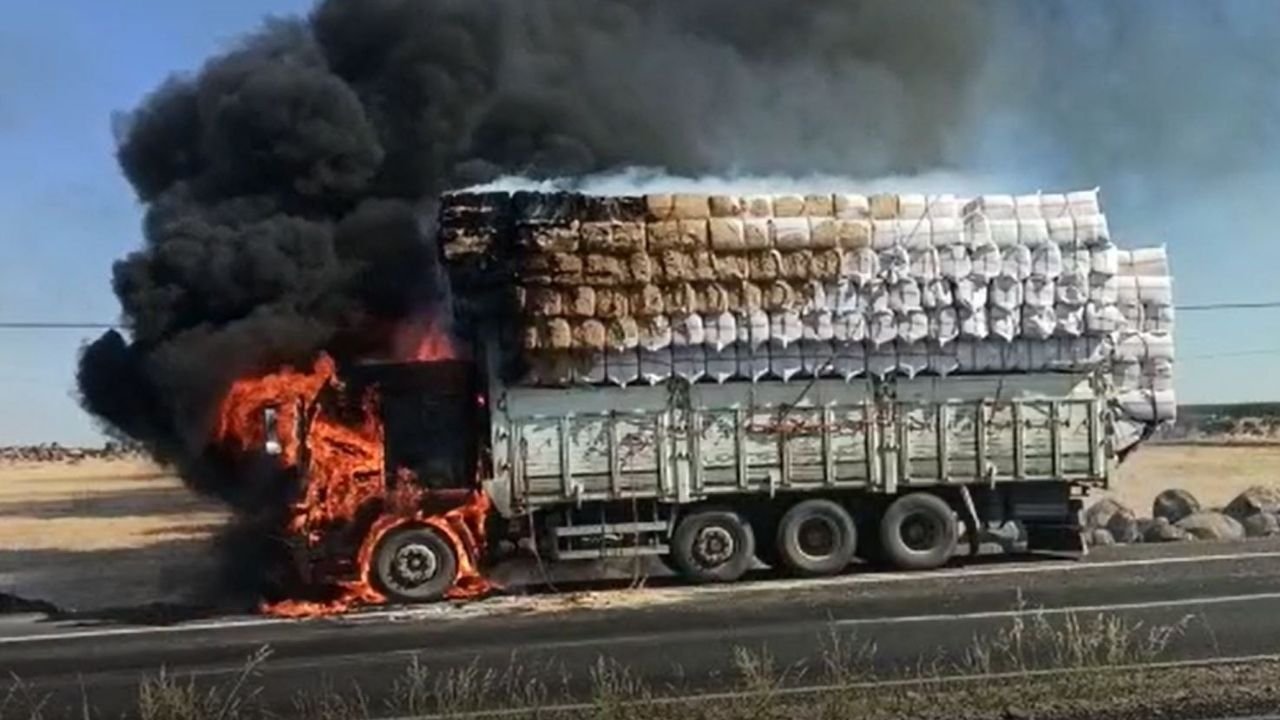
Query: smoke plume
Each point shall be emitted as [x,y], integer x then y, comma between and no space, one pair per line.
[289,182]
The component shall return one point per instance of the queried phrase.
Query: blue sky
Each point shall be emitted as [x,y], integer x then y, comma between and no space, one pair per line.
[66,213]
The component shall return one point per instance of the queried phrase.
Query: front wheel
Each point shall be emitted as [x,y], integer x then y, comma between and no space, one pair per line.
[414,564]
[713,546]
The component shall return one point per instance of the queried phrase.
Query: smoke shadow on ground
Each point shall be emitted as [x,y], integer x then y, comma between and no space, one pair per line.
[122,582]
[124,503]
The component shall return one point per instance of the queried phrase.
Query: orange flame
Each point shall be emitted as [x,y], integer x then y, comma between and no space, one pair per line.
[343,463]
[421,340]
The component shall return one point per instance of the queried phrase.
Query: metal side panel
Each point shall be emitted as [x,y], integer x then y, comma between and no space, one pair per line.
[683,444]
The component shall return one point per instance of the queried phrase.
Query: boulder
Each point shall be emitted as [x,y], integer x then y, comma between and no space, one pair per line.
[1174,504]
[1118,520]
[1206,525]
[1257,499]
[1261,524]
[1099,537]
[1099,514]
[1161,530]
[1123,526]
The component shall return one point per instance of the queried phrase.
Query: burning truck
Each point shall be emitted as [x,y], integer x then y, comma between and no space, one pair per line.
[716,379]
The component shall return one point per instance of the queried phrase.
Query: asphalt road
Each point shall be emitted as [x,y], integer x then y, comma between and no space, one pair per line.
[1226,596]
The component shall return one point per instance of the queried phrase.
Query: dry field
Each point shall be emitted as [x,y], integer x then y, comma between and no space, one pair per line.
[1213,473]
[108,534]
[101,534]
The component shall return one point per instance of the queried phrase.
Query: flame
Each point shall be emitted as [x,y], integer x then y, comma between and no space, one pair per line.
[343,463]
[422,340]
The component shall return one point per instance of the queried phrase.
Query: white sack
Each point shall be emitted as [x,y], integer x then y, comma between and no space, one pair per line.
[913,326]
[954,262]
[1039,292]
[986,261]
[1046,262]
[1016,262]
[1005,293]
[1004,323]
[974,323]
[944,325]
[971,293]
[861,265]
[925,264]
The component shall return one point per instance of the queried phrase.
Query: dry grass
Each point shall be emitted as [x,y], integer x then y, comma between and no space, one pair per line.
[97,505]
[1040,664]
[100,504]
[1214,474]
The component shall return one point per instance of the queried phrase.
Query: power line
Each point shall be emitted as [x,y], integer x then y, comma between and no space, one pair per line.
[1240,353]
[1230,306]
[92,325]
[50,325]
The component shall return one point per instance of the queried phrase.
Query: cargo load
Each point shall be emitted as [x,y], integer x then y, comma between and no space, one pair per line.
[724,288]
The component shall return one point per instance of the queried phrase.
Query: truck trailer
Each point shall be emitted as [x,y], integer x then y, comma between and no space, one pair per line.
[802,450]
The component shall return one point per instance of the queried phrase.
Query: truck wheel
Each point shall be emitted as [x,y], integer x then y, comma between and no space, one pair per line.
[713,546]
[918,532]
[816,537]
[414,564]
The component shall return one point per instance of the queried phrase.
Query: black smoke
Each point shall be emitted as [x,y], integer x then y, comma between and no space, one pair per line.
[289,183]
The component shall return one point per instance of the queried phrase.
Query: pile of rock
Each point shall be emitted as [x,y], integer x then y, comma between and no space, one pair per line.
[1177,516]
[55,453]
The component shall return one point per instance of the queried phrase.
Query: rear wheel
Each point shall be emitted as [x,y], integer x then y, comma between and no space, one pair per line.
[713,546]
[815,538]
[918,532]
[414,564]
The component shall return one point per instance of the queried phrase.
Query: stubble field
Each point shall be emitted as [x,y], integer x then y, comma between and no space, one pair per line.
[101,534]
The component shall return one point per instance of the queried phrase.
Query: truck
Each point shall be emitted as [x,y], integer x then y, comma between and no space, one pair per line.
[805,474]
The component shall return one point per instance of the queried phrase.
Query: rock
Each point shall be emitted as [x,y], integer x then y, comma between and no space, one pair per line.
[1119,521]
[1099,537]
[1257,499]
[1174,504]
[1261,524]
[1100,513]
[1161,530]
[1123,526]
[1207,525]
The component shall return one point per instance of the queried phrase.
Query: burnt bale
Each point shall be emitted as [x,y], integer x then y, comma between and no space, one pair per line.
[622,208]
[538,207]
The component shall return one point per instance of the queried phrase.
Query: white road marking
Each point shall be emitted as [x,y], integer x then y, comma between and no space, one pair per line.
[1066,610]
[451,613]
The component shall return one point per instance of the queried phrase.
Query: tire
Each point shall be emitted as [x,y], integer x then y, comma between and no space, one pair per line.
[918,532]
[414,564]
[816,538]
[713,546]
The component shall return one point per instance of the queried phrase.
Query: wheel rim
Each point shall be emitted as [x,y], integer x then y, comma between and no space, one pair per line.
[817,537]
[920,532]
[713,546]
[413,565]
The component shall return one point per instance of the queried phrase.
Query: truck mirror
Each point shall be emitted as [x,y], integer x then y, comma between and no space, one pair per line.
[272,445]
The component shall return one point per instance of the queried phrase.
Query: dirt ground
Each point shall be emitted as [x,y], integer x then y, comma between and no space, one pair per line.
[102,534]
[1213,473]
[107,534]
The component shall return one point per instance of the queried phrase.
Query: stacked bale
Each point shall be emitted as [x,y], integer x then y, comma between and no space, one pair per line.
[623,289]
